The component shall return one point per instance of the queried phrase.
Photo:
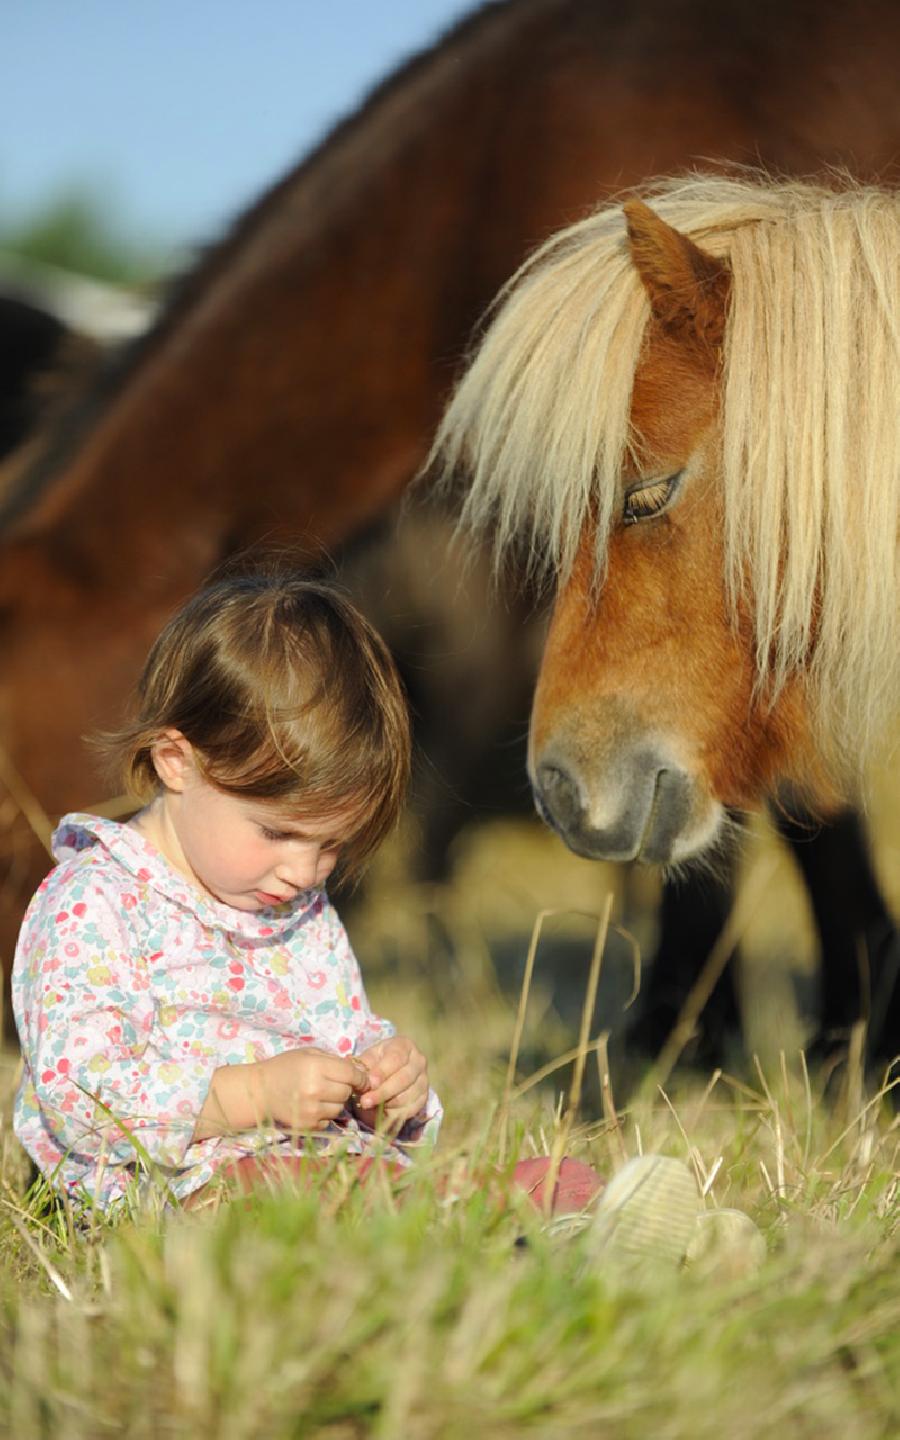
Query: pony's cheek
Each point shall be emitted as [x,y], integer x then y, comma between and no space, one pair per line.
[776,743]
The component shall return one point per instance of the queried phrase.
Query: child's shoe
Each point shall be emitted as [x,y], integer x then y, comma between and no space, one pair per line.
[648,1211]
[649,1219]
[725,1243]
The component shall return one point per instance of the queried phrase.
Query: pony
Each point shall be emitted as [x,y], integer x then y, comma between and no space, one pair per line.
[686,404]
[290,389]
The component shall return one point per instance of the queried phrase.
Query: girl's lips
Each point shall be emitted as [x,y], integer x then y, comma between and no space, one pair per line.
[268,899]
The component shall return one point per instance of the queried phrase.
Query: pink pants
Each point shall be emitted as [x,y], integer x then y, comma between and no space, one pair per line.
[576,1184]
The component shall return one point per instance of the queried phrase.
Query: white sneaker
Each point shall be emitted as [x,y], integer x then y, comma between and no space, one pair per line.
[725,1243]
[648,1211]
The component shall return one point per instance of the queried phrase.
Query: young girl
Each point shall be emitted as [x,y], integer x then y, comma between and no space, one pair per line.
[184,991]
[187,1001]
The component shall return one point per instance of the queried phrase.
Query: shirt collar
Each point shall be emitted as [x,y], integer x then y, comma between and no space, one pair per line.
[142,860]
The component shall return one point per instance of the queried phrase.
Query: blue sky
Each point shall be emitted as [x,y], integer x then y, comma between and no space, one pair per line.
[180,111]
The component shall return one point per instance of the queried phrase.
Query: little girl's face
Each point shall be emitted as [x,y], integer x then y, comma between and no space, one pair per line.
[247,853]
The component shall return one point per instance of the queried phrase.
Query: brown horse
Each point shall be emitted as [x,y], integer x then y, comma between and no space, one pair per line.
[694,419]
[293,384]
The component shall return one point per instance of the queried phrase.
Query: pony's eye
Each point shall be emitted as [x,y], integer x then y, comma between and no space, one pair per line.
[648,498]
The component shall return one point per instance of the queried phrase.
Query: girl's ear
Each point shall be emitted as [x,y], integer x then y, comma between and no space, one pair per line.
[173,760]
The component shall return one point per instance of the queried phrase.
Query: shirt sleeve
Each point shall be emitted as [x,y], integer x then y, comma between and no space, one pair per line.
[89,1031]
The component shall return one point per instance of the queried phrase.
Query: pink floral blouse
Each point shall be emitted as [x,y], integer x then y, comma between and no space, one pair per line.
[130,988]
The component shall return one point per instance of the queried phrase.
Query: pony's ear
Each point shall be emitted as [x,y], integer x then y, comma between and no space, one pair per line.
[688,289]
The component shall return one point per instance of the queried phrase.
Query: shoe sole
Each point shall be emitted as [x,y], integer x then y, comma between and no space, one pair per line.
[648,1211]
[726,1243]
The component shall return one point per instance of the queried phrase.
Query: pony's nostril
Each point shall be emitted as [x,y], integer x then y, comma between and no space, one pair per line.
[552,778]
[556,794]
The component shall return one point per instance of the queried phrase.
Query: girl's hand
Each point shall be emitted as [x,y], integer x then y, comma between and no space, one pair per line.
[298,1090]
[398,1074]
[305,1089]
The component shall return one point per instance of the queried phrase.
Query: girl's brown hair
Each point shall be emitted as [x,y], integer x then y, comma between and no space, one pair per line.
[287,694]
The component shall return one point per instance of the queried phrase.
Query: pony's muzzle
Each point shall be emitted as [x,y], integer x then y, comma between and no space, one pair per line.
[642,819]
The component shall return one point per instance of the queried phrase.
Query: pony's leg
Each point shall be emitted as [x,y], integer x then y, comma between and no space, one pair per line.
[858,938]
[693,913]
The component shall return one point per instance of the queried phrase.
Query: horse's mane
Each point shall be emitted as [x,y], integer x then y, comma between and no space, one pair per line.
[810,435]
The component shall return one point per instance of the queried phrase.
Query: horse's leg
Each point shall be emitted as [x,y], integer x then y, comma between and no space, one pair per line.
[693,912]
[858,938]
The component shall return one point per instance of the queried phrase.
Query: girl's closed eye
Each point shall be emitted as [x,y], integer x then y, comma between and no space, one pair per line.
[270,834]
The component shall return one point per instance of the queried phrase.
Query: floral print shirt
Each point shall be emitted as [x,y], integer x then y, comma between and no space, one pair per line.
[131,987]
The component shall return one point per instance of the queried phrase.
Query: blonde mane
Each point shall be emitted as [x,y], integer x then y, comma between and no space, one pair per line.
[810,439]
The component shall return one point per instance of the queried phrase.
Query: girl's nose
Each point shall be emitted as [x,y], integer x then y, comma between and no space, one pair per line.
[299,873]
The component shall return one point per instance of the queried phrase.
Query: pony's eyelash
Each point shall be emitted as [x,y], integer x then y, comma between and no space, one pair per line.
[649,498]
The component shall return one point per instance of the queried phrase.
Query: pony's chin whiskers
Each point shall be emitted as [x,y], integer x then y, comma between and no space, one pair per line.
[715,857]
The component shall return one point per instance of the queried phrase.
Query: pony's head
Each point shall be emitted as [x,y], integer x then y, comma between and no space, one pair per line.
[688,409]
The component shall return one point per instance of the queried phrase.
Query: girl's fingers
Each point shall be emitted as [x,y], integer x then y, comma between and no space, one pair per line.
[326,1114]
[410,1101]
[313,1116]
[392,1096]
[405,1067]
[394,1085]
[349,1073]
[396,1115]
[329,1096]
[333,1090]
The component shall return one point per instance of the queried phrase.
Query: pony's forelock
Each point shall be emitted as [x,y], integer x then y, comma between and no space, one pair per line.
[810,437]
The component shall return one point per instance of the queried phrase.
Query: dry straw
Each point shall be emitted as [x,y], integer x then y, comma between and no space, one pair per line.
[810,430]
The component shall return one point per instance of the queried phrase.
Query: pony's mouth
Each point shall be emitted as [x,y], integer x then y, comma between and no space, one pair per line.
[667,817]
[656,822]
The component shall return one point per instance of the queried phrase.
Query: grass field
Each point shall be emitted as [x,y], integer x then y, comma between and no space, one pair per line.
[330,1313]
